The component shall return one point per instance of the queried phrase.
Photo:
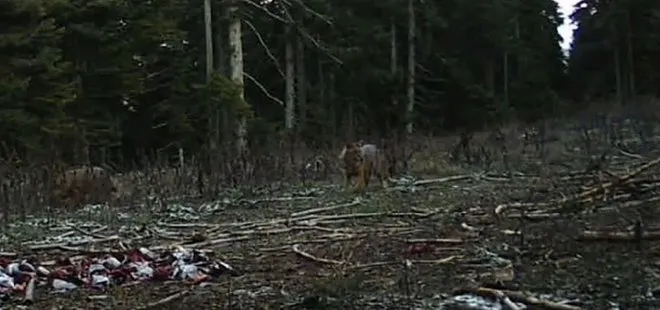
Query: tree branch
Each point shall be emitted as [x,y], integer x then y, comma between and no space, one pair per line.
[263,89]
[263,43]
[261,8]
[310,11]
[316,44]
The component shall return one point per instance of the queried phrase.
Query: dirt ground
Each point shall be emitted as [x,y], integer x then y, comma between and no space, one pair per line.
[570,239]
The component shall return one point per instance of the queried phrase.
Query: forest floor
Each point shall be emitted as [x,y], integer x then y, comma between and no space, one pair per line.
[558,239]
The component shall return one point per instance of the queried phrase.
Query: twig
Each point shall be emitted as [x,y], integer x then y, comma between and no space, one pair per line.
[206,244]
[517,205]
[280,199]
[445,240]
[288,245]
[324,209]
[9,254]
[443,180]
[296,249]
[72,232]
[93,233]
[374,214]
[165,300]
[80,250]
[440,261]
[631,155]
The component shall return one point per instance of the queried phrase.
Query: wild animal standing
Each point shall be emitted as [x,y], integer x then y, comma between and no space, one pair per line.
[314,170]
[360,161]
[86,184]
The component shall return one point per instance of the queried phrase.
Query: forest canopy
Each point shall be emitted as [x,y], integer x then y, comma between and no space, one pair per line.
[124,78]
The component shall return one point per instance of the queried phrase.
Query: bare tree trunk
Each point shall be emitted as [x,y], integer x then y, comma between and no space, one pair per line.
[301,83]
[490,77]
[224,122]
[617,75]
[617,63]
[213,117]
[289,103]
[331,101]
[393,59]
[322,85]
[351,120]
[219,44]
[411,67]
[505,79]
[236,65]
[631,64]
[208,39]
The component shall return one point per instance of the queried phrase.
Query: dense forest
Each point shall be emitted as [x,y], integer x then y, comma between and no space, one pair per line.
[117,80]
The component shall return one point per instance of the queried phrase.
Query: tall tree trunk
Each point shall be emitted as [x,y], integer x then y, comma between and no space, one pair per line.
[617,75]
[393,61]
[208,39]
[220,40]
[322,100]
[289,103]
[220,61]
[411,67]
[213,117]
[505,79]
[631,64]
[301,83]
[350,119]
[331,101]
[489,79]
[236,66]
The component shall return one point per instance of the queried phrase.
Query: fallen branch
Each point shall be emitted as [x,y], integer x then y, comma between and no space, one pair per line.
[590,235]
[29,290]
[591,193]
[440,261]
[515,296]
[73,232]
[324,209]
[518,205]
[617,181]
[52,246]
[82,251]
[444,240]
[288,245]
[200,245]
[631,155]
[165,300]
[296,249]
[443,180]
[186,225]
[93,233]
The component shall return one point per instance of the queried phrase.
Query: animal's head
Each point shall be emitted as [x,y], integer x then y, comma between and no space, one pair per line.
[351,154]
